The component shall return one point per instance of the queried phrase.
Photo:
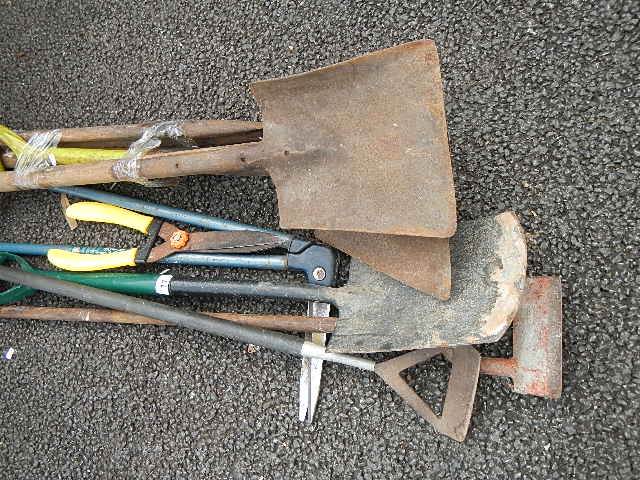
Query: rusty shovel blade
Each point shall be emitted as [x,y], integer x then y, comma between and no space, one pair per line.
[362,145]
[536,365]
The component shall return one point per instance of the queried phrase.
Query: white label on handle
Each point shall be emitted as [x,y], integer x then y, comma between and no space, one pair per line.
[162,284]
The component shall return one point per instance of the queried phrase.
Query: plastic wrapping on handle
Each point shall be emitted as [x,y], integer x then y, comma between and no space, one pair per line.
[36,156]
[128,167]
[63,155]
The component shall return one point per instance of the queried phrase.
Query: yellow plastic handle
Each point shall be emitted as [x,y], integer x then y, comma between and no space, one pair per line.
[86,262]
[101,212]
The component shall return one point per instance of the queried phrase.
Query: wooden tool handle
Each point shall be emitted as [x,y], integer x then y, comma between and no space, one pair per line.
[272,322]
[227,160]
[203,132]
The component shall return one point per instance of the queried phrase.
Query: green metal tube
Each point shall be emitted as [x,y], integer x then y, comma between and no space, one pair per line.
[129,283]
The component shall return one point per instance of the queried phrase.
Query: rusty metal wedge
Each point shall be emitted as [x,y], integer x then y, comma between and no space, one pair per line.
[422,263]
[536,365]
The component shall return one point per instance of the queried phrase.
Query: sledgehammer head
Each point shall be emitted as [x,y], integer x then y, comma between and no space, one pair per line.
[536,365]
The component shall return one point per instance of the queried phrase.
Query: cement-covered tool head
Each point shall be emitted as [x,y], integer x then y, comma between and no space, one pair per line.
[378,313]
[536,365]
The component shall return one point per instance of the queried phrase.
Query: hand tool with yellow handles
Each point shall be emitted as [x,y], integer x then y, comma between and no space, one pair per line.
[317,262]
[175,240]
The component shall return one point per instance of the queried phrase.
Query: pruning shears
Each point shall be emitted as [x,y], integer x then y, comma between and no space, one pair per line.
[317,262]
[175,240]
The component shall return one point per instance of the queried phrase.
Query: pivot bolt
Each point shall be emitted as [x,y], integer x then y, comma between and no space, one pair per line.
[179,239]
[319,274]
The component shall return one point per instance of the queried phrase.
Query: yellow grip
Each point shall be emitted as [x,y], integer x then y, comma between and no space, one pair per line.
[101,212]
[86,262]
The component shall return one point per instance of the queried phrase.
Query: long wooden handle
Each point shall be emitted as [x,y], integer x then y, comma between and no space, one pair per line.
[227,160]
[205,133]
[289,323]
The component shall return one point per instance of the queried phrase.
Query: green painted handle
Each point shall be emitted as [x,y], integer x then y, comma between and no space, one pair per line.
[17,292]
[129,283]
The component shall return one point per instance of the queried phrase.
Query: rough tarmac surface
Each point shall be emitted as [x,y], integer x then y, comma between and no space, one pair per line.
[542,103]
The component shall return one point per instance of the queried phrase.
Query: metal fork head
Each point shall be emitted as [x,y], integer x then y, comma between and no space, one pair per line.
[461,391]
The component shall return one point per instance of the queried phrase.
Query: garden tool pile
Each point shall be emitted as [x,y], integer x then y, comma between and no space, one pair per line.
[358,153]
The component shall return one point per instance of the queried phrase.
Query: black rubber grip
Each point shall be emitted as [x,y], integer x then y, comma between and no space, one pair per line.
[152,235]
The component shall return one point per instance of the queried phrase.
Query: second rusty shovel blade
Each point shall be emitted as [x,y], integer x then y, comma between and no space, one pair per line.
[362,145]
[422,263]
[536,365]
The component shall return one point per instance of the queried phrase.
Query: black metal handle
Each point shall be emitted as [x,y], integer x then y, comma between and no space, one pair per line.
[254,289]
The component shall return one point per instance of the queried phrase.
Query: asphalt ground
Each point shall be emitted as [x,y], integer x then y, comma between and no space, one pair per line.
[542,102]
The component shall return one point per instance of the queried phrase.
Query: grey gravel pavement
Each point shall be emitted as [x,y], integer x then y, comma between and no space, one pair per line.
[542,101]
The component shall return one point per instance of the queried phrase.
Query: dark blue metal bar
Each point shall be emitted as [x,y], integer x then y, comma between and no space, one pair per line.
[224,260]
[170,213]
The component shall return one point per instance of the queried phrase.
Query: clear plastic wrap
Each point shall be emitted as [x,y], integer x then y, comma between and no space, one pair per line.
[39,153]
[36,156]
[128,167]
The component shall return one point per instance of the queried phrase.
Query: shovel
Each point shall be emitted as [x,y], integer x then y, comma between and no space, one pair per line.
[333,139]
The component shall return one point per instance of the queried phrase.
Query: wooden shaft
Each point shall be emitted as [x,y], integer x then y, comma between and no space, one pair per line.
[289,323]
[227,160]
[203,132]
